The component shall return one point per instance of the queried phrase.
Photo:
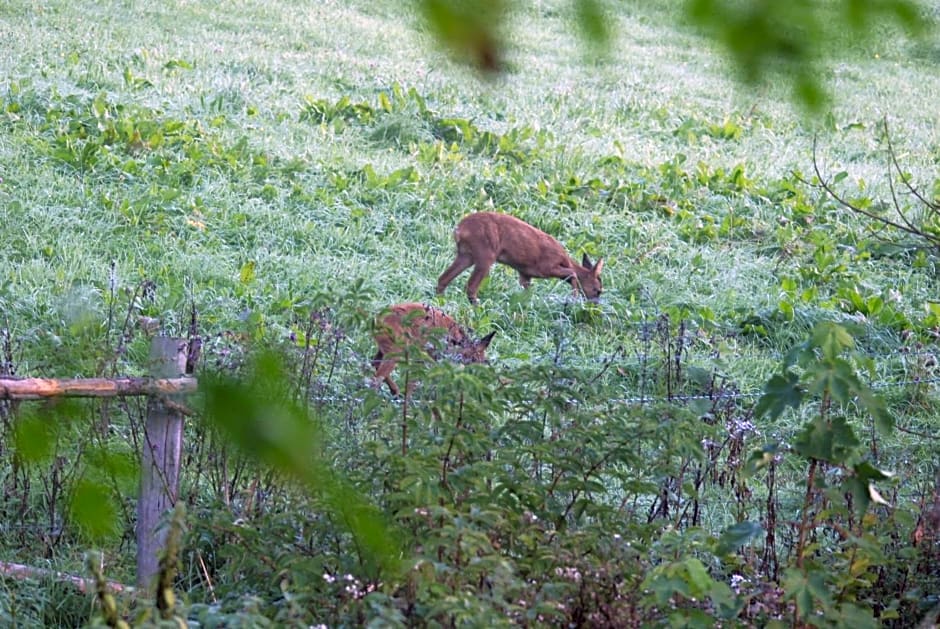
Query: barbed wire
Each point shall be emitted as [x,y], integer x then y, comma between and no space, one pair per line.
[660,399]
[903,383]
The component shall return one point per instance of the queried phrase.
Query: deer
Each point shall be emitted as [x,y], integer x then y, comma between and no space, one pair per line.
[484,238]
[410,326]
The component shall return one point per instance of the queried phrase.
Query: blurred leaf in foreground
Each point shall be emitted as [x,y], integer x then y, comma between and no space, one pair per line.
[785,41]
[260,416]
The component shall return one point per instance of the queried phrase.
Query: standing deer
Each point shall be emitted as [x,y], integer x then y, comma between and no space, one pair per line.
[416,326]
[487,237]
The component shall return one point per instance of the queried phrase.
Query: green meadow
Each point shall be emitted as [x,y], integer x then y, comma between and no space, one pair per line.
[742,431]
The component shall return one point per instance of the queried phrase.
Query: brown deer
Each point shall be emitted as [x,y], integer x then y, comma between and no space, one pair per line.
[415,326]
[487,237]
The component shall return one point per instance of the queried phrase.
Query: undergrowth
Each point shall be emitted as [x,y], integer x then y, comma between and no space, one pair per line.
[711,441]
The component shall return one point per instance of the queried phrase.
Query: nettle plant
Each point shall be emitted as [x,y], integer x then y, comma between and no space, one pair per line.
[837,556]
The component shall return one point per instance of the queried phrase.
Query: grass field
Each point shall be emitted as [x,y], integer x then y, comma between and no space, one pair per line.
[241,73]
[259,160]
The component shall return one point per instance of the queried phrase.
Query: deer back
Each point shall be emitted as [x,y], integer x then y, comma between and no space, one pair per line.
[414,325]
[492,237]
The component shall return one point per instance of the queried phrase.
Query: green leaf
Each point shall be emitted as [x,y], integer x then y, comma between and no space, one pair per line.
[834,441]
[664,588]
[781,391]
[868,472]
[832,339]
[857,617]
[92,508]
[798,355]
[796,587]
[384,102]
[862,488]
[593,22]
[806,590]
[859,491]
[261,417]
[835,378]
[116,463]
[816,583]
[699,579]
[726,603]
[173,64]
[247,273]
[469,27]
[33,438]
[878,409]
[737,535]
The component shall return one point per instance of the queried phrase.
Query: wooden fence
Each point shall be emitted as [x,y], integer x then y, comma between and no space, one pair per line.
[163,435]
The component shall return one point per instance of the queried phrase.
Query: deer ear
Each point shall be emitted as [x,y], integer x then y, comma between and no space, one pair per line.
[485,341]
[586,262]
[598,266]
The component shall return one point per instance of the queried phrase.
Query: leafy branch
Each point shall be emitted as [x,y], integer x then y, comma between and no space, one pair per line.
[922,225]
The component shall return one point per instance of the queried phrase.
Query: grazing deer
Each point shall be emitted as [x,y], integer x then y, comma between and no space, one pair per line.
[487,237]
[405,326]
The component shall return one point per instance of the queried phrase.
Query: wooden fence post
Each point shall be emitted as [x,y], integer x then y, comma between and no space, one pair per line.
[160,466]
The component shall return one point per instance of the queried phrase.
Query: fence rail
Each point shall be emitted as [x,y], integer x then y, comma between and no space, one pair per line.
[162,445]
[84,584]
[41,388]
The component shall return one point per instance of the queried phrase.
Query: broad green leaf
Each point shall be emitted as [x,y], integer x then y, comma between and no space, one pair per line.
[119,465]
[699,579]
[727,605]
[33,438]
[384,102]
[92,508]
[593,22]
[859,491]
[856,617]
[862,488]
[798,355]
[737,535]
[835,379]
[868,472]
[263,419]
[173,64]
[832,339]
[834,441]
[796,587]
[665,588]
[878,409]
[809,590]
[816,582]
[781,391]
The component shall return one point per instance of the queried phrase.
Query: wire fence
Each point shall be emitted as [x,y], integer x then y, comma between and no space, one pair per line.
[720,394]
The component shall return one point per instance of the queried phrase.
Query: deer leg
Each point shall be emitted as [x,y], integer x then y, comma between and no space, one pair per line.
[480,271]
[462,262]
[575,286]
[524,280]
[383,371]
